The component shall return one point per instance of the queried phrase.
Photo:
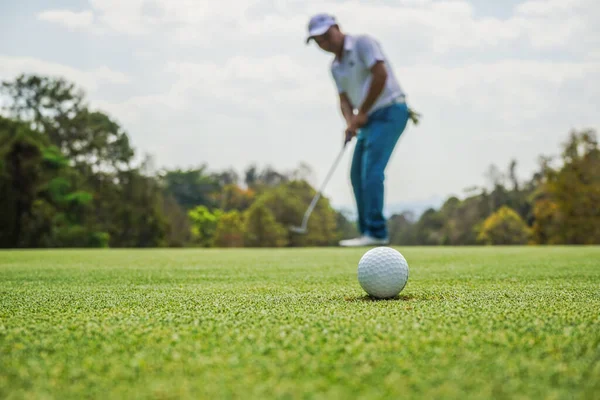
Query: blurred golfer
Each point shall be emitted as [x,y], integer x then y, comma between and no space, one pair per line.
[374,107]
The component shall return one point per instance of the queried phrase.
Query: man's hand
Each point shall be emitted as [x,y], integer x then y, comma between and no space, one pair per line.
[348,136]
[358,121]
[355,122]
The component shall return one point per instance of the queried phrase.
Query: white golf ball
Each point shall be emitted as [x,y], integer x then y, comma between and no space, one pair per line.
[382,272]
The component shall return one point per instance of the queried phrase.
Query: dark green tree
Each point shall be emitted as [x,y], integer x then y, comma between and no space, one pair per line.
[43,202]
[567,205]
[192,187]
[57,108]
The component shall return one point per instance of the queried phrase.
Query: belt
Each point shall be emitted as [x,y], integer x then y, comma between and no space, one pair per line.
[396,100]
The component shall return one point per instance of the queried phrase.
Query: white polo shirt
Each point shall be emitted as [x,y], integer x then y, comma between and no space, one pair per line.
[352,74]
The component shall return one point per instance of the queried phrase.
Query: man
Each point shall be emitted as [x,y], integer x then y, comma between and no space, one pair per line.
[373,105]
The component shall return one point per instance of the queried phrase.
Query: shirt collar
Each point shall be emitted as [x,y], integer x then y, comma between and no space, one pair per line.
[348,45]
[348,42]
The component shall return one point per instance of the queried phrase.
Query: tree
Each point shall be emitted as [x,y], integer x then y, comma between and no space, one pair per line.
[451,231]
[261,229]
[232,197]
[57,109]
[260,181]
[547,227]
[122,203]
[179,230]
[21,152]
[302,173]
[345,227]
[401,229]
[251,175]
[43,202]
[512,175]
[136,214]
[569,196]
[192,187]
[229,231]
[504,227]
[204,224]
[288,203]
[429,228]
[227,177]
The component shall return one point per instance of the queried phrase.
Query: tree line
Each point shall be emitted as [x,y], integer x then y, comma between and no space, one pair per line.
[68,178]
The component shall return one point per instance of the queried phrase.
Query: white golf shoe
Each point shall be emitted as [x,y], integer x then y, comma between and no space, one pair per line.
[364,241]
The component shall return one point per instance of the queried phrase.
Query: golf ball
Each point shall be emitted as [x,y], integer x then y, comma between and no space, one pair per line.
[382,272]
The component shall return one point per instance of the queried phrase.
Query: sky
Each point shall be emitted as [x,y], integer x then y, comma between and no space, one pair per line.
[232,83]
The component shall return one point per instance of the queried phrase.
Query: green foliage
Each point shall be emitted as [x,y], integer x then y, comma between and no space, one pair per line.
[73,235]
[129,207]
[67,178]
[401,230]
[79,197]
[232,197]
[504,227]
[428,230]
[57,108]
[53,151]
[261,228]
[22,179]
[58,188]
[99,239]
[53,158]
[288,203]
[567,210]
[229,231]
[204,224]
[179,229]
[547,228]
[345,227]
[259,181]
[557,205]
[191,188]
[41,208]
[133,211]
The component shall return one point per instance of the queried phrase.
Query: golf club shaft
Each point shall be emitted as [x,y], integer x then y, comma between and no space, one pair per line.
[313,203]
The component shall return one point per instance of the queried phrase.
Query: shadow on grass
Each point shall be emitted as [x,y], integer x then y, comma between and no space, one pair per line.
[367,298]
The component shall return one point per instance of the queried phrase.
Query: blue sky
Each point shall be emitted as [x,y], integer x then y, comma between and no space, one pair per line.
[231,83]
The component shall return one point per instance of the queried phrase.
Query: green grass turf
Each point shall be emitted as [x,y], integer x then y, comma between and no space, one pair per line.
[497,323]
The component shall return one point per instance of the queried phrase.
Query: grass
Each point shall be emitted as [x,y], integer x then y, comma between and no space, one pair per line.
[503,323]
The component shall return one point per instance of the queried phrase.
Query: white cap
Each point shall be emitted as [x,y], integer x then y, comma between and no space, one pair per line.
[319,24]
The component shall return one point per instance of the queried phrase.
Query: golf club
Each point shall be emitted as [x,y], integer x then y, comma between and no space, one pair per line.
[303,228]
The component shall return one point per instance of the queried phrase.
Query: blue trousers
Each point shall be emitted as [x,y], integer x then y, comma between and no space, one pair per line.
[375,143]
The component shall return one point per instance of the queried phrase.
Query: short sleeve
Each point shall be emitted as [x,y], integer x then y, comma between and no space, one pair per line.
[368,50]
[338,83]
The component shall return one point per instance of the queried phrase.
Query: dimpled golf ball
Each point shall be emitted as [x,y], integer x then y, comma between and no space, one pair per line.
[382,272]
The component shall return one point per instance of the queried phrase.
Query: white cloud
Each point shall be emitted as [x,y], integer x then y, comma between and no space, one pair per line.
[441,26]
[452,25]
[266,70]
[232,82]
[89,80]
[549,7]
[70,19]
[105,74]
[556,24]
[474,114]
[122,16]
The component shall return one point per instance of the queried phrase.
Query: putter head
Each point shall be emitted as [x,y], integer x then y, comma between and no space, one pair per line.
[298,229]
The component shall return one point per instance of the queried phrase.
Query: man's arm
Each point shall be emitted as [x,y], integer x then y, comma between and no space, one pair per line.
[379,76]
[348,112]
[346,107]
